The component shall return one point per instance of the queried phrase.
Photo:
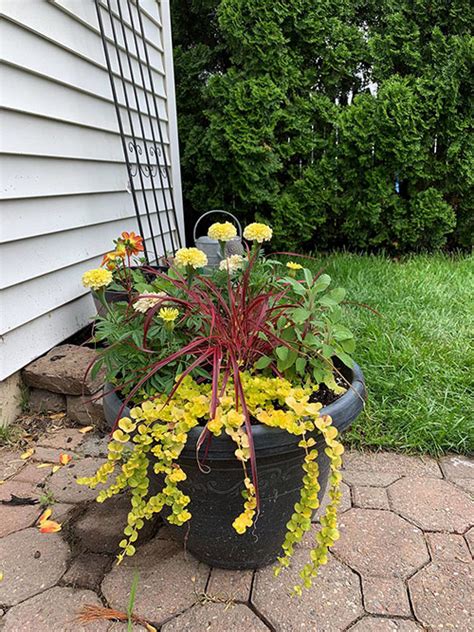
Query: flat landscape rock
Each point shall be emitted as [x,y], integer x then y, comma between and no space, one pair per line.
[432,505]
[55,609]
[380,543]
[216,617]
[169,581]
[85,411]
[41,401]
[64,486]
[442,594]
[331,605]
[63,370]
[31,562]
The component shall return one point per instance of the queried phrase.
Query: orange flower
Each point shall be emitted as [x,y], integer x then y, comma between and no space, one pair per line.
[64,459]
[48,526]
[110,259]
[133,243]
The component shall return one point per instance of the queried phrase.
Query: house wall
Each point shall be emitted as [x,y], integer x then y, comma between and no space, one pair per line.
[64,184]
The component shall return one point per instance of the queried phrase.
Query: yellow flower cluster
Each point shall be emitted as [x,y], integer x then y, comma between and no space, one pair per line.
[156,432]
[168,314]
[97,278]
[232,263]
[190,257]
[222,231]
[291,265]
[258,232]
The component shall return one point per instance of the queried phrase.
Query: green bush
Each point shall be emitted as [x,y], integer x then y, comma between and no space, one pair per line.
[342,123]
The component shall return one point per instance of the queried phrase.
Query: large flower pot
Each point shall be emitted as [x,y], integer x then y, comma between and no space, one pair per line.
[216,497]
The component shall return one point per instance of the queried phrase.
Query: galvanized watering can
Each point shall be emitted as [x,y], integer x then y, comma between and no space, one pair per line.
[211,246]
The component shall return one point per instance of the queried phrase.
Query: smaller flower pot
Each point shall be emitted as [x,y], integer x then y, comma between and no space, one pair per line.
[114,296]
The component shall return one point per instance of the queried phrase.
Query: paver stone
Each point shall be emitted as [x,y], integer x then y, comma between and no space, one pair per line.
[441,595]
[100,529]
[10,463]
[380,543]
[378,624]
[381,462]
[386,596]
[64,486]
[370,497]
[31,561]
[332,604]
[369,478]
[216,617]
[432,505]
[456,466]
[230,585]
[17,517]
[62,439]
[54,610]
[469,536]
[169,581]
[87,570]
[447,547]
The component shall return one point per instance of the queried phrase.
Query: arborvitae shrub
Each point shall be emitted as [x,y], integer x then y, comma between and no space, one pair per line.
[342,123]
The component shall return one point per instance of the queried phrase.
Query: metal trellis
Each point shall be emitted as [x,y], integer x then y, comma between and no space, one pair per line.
[128,50]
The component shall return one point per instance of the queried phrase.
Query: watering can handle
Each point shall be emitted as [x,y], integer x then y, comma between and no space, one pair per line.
[239,227]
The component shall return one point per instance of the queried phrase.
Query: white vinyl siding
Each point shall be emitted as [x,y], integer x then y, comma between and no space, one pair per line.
[64,183]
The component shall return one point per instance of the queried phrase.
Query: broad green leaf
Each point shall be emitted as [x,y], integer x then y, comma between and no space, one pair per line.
[344,357]
[322,283]
[300,315]
[282,352]
[308,277]
[300,365]
[263,362]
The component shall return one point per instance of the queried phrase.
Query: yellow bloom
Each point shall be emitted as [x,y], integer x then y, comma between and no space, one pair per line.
[97,278]
[168,314]
[192,257]
[232,263]
[222,231]
[294,266]
[258,232]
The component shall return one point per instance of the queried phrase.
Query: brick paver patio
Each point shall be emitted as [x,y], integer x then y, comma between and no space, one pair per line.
[403,563]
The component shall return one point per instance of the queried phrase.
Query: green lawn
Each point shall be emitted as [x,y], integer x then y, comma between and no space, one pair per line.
[418,357]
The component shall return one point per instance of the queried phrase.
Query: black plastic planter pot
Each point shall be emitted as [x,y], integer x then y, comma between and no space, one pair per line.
[216,497]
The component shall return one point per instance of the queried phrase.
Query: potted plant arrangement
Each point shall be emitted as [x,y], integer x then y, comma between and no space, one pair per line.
[228,394]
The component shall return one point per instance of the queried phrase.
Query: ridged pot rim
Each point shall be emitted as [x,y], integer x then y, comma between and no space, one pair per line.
[343,411]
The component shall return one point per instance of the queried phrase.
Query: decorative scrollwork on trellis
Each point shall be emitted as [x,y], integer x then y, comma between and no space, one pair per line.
[147,169]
